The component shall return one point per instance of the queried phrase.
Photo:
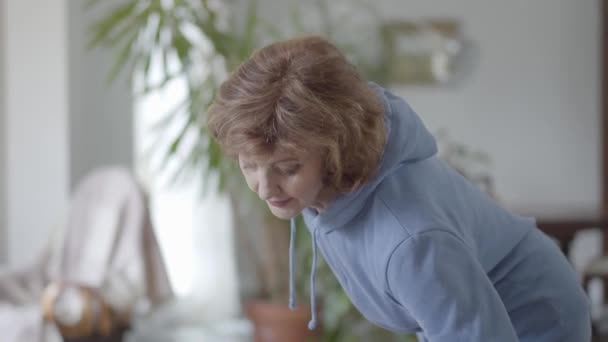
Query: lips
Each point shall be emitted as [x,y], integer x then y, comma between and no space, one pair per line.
[279,204]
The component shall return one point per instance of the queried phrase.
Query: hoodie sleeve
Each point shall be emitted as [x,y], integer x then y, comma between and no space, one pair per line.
[437,279]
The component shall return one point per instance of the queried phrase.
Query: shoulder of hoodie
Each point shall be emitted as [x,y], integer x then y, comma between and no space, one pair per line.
[406,199]
[390,218]
[398,223]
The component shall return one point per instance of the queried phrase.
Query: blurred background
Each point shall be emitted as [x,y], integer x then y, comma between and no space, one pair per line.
[512,90]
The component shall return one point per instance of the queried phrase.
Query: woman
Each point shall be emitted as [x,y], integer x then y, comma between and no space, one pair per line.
[416,247]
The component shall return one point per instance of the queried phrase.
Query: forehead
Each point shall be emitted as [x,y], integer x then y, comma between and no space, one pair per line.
[279,155]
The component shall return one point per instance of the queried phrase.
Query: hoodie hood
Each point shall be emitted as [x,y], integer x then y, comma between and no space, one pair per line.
[408,141]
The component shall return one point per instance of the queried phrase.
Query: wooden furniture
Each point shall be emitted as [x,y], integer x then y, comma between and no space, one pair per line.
[565,229]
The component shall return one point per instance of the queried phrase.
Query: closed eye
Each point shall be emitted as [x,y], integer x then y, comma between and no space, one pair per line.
[247,166]
[290,171]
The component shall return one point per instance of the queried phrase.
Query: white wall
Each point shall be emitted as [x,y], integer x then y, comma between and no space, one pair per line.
[62,119]
[532,102]
[101,114]
[3,245]
[36,123]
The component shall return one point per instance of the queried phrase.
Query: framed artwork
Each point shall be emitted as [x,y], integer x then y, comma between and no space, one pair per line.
[422,52]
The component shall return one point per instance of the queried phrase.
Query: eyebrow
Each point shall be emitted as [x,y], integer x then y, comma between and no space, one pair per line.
[286,160]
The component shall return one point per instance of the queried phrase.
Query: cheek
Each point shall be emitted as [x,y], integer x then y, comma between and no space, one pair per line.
[250,180]
[306,189]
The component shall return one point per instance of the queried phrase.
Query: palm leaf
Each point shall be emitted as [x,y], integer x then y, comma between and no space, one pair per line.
[102,29]
[123,57]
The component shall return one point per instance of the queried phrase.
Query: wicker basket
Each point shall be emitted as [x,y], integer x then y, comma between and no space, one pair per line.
[116,336]
[97,321]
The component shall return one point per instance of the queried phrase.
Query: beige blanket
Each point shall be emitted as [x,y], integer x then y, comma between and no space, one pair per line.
[107,243]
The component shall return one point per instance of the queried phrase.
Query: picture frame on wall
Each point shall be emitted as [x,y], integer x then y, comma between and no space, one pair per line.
[424,52]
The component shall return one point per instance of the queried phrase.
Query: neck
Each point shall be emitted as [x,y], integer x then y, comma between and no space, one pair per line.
[324,200]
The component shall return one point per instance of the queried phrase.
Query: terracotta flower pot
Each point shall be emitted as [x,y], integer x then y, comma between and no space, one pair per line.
[274,322]
[115,336]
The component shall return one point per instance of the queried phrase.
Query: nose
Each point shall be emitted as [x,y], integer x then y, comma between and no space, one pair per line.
[267,187]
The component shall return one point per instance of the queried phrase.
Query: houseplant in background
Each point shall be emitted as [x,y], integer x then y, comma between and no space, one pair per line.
[470,162]
[198,42]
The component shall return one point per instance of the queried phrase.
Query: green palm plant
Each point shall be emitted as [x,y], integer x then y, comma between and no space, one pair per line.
[185,36]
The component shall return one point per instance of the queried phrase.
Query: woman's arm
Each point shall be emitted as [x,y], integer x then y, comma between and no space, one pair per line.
[435,276]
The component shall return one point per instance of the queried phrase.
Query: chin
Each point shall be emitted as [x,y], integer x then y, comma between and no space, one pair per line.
[284,213]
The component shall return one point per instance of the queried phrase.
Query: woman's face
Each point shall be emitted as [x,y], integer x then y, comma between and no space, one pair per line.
[288,183]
